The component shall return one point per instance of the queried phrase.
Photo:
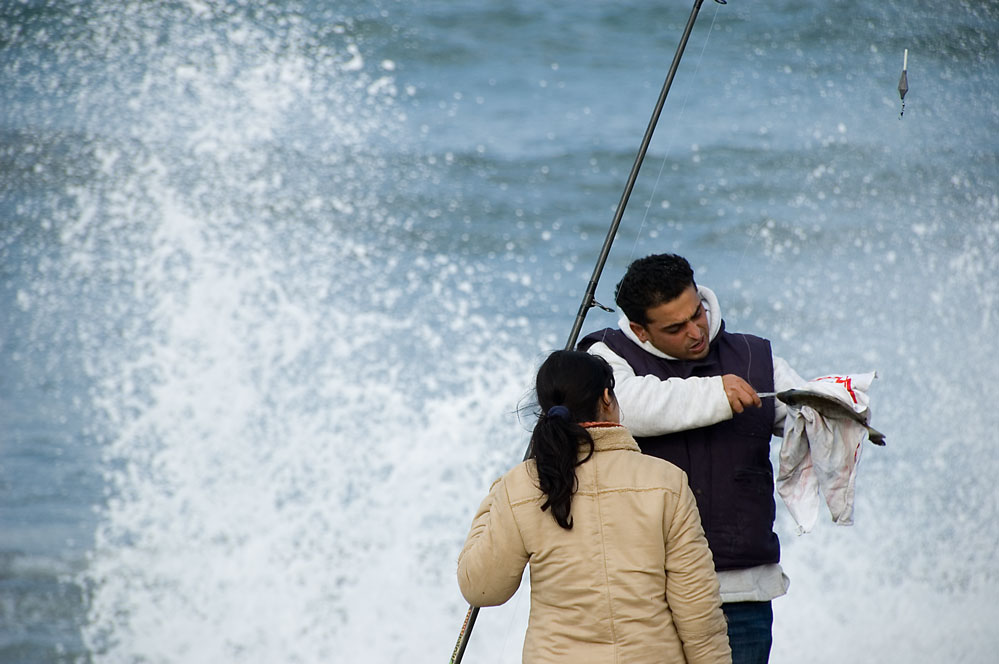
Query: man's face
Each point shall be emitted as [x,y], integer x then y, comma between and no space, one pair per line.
[678,328]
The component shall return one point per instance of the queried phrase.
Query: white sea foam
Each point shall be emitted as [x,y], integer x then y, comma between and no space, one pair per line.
[300,396]
[288,474]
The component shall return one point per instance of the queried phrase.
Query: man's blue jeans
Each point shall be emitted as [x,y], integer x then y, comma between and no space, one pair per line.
[750,631]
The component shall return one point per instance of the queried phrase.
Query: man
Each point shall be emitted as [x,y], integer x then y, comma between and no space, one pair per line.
[688,392]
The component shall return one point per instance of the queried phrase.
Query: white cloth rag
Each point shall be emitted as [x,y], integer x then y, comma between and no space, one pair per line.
[821,452]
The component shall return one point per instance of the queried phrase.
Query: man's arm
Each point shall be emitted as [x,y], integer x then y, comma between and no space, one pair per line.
[651,406]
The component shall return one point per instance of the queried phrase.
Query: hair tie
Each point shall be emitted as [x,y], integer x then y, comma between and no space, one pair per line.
[559,411]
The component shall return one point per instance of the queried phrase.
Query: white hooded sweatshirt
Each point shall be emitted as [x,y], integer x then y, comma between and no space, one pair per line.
[651,406]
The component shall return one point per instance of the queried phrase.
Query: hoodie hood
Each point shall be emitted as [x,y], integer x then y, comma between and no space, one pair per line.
[711,306]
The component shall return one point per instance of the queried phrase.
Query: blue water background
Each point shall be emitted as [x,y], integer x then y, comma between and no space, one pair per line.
[274,279]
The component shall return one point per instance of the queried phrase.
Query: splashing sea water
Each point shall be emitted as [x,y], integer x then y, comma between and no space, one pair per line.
[276,272]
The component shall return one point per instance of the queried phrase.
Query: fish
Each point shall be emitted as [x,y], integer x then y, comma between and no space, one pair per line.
[825,406]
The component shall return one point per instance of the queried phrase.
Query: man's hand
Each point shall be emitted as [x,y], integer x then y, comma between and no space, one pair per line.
[740,393]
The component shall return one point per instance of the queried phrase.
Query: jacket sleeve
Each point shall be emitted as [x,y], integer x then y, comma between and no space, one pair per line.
[692,590]
[651,406]
[492,562]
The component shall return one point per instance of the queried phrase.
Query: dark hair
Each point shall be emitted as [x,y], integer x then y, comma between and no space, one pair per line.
[576,381]
[649,282]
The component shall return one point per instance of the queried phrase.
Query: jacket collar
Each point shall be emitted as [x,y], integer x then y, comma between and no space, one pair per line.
[710,302]
[611,438]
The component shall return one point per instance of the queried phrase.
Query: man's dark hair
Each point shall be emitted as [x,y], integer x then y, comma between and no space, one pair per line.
[649,282]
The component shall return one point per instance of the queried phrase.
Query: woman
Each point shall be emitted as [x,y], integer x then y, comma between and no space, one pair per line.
[620,568]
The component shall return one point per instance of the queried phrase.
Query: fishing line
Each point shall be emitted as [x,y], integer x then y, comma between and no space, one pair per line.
[903,88]
[591,288]
[516,611]
[662,167]
[669,146]
[588,300]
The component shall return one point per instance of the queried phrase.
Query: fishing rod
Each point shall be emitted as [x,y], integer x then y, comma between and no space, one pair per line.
[588,298]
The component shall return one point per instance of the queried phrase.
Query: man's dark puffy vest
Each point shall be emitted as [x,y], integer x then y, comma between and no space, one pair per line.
[727,464]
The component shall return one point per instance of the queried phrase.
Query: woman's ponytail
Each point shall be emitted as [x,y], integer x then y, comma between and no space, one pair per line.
[569,387]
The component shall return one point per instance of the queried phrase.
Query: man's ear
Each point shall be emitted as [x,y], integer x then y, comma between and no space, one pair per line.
[639,331]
